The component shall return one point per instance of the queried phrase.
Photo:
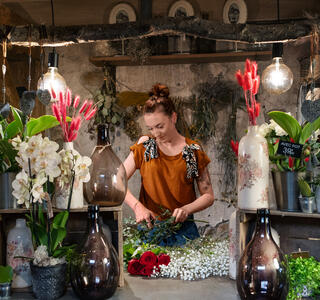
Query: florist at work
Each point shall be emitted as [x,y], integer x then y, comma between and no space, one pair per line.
[169,163]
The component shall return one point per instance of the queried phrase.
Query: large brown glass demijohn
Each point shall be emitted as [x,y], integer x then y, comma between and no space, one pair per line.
[108,183]
[94,272]
[262,268]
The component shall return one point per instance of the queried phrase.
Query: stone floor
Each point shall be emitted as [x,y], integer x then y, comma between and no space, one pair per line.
[137,288]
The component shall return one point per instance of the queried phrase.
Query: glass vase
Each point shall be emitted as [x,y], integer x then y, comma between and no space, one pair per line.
[95,271]
[19,243]
[108,183]
[262,269]
[253,171]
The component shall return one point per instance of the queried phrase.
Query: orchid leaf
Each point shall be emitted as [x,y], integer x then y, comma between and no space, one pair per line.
[57,236]
[60,220]
[287,123]
[316,124]
[42,123]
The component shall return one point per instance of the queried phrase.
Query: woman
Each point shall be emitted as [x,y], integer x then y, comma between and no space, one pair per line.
[168,163]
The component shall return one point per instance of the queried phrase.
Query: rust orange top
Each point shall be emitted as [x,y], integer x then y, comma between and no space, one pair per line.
[165,182]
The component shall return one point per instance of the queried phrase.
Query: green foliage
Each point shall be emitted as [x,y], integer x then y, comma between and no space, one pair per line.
[304,273]
[6,274]
[53,238]
[300,134]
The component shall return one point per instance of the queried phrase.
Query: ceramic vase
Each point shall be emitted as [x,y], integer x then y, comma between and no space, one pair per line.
[7,200]
[318,198]
[262,269]
[19,243]
[108,183]
[253,171]
[62,193]
[95,272]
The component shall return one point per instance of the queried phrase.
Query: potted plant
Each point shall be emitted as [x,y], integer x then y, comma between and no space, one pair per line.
[6,274]
[304,273]
[306,198]
[284,127]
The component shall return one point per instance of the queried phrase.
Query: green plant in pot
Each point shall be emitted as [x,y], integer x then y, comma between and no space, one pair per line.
[284,127]
[6,274]
[306,198]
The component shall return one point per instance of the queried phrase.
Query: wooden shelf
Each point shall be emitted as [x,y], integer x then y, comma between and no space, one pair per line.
[83,209]
[284,213]
[183,58]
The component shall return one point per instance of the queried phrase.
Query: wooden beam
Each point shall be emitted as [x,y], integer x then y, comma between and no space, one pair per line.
[100,61]
[244,33]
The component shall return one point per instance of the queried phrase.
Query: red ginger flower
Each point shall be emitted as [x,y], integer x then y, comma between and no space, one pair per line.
[63,105]
[250,82]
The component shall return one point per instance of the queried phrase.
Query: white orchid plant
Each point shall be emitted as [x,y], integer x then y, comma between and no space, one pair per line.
[41,164]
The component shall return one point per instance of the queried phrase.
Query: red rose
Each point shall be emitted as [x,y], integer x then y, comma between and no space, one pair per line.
[148,259]
[163,259]
[147,270]
[134,267]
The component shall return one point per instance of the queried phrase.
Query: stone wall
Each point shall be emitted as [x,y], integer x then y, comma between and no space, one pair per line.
[84,78]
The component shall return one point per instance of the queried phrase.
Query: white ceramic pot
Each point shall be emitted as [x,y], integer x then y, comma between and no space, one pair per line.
[253,171]
[19,243]
[62,194]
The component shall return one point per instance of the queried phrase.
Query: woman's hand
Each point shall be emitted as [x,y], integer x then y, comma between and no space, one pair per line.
[142,213]
[180,214]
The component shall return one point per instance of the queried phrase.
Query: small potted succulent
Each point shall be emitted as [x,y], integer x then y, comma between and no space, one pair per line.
[6,274]
[307,197]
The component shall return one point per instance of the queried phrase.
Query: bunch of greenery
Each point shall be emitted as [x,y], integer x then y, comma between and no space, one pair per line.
[304,275]
[305,188]
[6,274]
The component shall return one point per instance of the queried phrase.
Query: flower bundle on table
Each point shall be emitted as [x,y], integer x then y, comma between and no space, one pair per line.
[148,263]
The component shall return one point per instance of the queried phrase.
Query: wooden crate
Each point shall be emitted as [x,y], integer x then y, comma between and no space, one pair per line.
[77,225]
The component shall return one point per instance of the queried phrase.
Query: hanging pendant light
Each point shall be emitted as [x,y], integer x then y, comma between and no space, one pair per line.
[52,80]
[277,78]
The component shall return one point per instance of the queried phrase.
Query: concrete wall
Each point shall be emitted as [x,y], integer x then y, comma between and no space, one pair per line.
[82,77]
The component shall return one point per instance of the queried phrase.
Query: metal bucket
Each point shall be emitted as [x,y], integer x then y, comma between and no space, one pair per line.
[6,198]
[286,190]
[5,290]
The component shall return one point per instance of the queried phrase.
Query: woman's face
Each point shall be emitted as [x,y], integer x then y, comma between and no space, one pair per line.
[160,125]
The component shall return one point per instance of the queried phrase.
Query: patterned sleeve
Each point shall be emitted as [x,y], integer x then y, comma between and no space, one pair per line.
[202,159]
[138,152]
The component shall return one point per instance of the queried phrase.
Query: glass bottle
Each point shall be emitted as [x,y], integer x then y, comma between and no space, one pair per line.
[262,268]
[94,273]
[108,183]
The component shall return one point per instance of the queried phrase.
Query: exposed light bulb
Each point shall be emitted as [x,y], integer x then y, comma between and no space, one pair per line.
[52,80]
[277,78]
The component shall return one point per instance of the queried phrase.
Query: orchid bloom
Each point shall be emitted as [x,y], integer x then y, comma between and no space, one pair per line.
[62,107]
[250,82]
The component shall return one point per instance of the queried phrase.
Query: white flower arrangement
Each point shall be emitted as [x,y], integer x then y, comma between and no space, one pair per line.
[266,128]
[42,258]
[39,161]
[189,263]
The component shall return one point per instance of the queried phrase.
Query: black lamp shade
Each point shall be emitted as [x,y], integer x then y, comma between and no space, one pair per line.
[277,50]
[53,59]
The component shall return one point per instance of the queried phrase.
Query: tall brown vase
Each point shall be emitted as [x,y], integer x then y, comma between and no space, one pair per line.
[94,273]
[262,269]
[108,183]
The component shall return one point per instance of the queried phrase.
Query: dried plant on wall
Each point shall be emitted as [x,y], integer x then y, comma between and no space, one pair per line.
[139,51]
